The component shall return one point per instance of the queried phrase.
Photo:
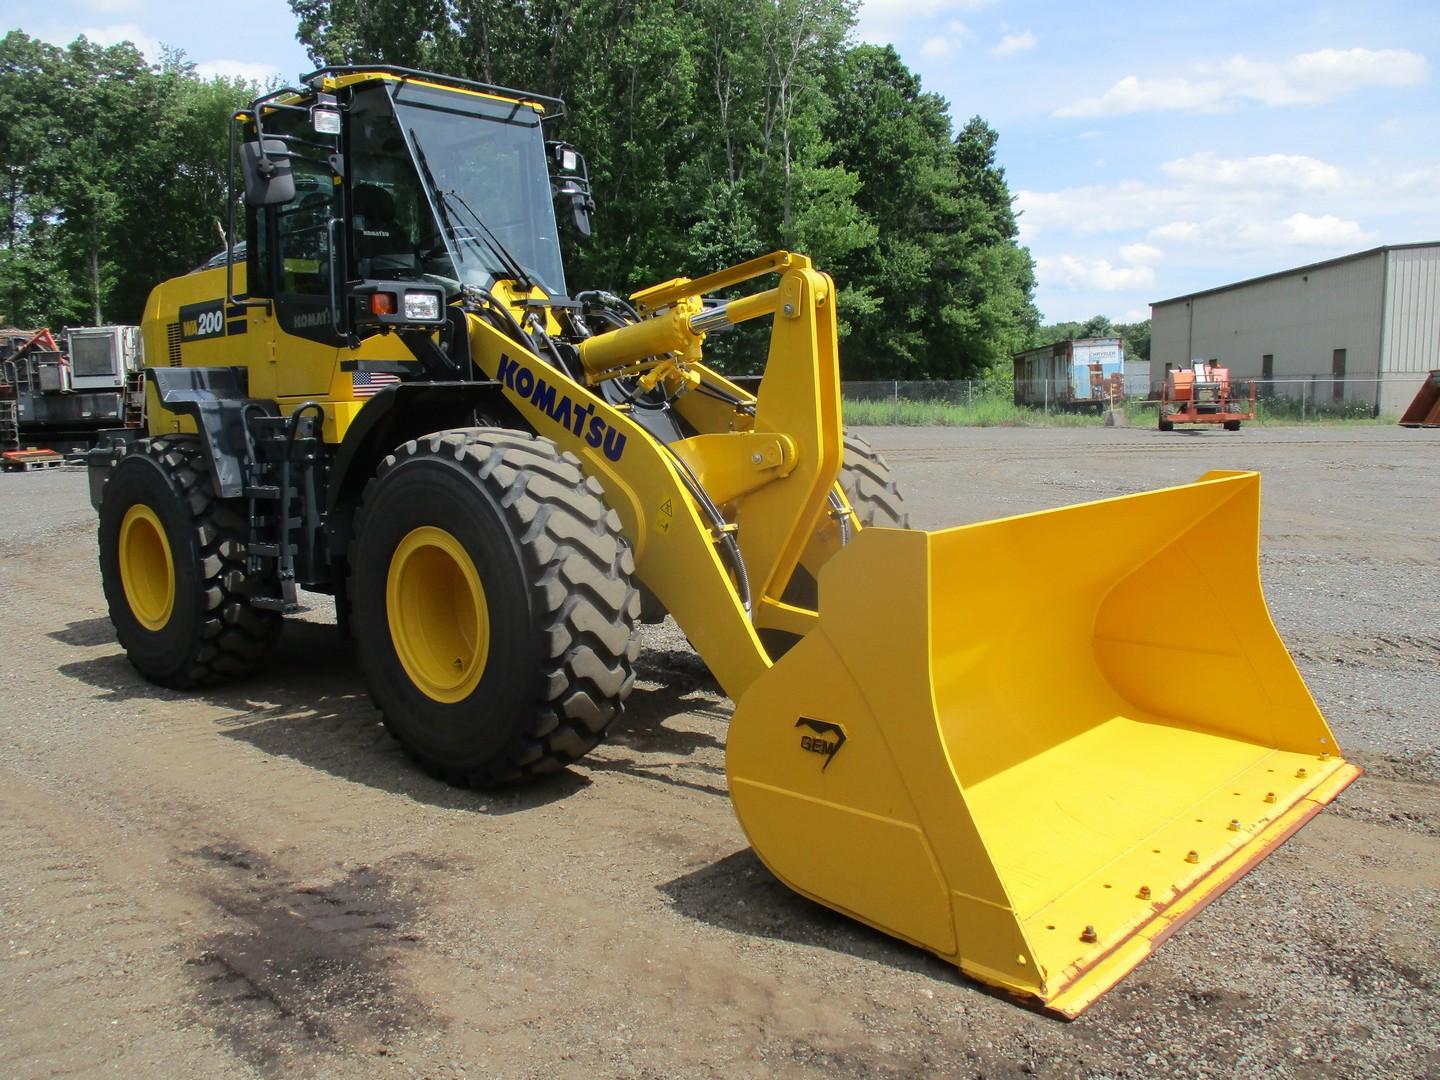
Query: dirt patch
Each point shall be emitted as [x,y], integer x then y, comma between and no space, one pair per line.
[255,880]
[303,968]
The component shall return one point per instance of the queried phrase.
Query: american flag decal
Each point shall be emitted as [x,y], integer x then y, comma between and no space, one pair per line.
[370,383]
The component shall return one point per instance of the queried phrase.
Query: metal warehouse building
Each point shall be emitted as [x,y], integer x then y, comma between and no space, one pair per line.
[1363,327]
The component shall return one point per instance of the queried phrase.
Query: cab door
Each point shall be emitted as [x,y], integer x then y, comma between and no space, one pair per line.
[296,258]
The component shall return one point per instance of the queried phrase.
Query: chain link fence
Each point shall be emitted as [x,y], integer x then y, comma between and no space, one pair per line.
[981,402]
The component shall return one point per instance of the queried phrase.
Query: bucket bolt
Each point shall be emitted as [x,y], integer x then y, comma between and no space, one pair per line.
[1234,825]
[1269,796]
[1192,856]
[1144,892]
[1300,773]
[1089,936]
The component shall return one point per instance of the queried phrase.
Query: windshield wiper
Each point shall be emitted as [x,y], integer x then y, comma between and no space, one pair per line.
[508,261]
[512,264]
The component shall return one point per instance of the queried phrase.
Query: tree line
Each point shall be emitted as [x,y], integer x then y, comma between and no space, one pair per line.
[112,177]
[715,130]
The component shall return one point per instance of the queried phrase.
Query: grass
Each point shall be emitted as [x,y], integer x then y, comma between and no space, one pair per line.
[987,410]
[996,410]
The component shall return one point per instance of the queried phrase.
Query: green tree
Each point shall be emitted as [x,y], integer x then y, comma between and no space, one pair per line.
[114,173]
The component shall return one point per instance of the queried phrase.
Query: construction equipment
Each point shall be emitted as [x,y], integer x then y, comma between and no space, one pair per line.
[66,393]
[1202,394]
[393,399]
[9,408]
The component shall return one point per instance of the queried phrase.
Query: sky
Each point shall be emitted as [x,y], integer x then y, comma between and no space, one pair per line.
[1154,148]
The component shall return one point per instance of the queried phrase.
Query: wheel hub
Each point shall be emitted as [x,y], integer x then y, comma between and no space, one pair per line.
[439,620]
[147,570]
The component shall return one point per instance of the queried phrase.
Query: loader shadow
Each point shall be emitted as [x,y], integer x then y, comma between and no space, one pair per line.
[670,683]
[309,705]
[85,632]
[737,893]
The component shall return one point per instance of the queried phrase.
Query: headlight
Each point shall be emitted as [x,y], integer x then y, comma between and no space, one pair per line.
[422,306]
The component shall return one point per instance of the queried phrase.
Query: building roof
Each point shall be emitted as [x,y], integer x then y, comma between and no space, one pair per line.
[1296,270]
[1067,341]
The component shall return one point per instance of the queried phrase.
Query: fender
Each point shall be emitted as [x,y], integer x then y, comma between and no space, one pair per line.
[392,417]
[218,400]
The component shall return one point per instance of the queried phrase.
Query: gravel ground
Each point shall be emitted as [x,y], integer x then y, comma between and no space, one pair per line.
[253,881]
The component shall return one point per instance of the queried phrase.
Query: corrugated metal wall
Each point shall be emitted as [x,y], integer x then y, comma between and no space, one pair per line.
[1412,323]
[1299,319]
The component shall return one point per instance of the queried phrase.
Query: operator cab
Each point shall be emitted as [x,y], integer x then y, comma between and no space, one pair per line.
[383,175]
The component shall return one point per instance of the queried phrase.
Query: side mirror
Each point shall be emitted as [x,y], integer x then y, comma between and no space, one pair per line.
[268,179]
[570,179]
[581,204]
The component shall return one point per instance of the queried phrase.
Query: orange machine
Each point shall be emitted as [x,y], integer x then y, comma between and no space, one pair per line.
[1202,395]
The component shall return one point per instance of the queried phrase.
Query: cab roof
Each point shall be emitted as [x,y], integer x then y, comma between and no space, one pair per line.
[336,76]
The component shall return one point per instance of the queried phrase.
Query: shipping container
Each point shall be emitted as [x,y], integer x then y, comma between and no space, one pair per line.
[1077,374]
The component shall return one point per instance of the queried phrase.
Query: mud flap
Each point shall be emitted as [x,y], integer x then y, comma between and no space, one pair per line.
[1034,745]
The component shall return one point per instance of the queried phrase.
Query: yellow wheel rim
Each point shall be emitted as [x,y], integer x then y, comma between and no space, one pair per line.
[439,621]
[147,571]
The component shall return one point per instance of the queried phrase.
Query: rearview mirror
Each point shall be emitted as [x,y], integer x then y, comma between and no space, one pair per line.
[268,179]
[570,179]
[581,204]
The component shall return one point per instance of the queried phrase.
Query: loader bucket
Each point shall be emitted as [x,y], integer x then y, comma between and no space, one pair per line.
[1034,746]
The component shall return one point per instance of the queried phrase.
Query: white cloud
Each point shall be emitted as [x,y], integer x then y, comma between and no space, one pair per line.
[114,7]
[1237,232]
[1294,171]
[1011,44]
[882,21]
[1186,231]
[118,32]
[238,69]
[1304,79]
[935,48]
[1097,275]
[1327,230]
[1140,253]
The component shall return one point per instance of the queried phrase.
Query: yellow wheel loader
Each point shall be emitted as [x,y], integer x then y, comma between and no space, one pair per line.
[390,396]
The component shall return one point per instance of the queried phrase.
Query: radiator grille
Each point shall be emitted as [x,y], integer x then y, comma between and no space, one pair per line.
[172,343]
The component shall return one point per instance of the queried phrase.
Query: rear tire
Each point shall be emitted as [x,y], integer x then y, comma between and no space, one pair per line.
[1232,425]
[172,564]
[542,616]
[1166,425]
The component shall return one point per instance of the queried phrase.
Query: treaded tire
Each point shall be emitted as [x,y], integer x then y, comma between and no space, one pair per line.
[212,634]
[1167,425]
[556,576]
[868,483]
[1232,425]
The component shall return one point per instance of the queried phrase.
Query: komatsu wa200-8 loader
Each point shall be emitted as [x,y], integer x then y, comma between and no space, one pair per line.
[391,397]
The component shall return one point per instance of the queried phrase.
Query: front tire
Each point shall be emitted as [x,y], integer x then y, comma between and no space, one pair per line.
[492,605]
[172,564]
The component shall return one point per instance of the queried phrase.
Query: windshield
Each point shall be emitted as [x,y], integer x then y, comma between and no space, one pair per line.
[485,161]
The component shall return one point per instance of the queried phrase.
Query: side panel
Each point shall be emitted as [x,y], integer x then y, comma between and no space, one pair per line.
[181,329]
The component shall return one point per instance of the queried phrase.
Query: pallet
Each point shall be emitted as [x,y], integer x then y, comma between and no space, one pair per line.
[31,460]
